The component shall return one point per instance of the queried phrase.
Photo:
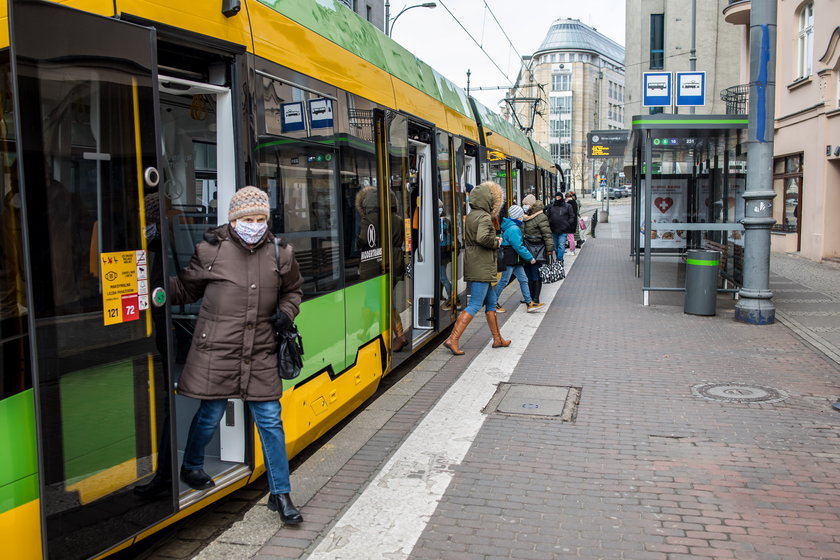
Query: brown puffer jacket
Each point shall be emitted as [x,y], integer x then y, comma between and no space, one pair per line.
[233,353]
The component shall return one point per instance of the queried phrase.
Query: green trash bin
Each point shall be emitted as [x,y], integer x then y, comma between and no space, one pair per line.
[701,279]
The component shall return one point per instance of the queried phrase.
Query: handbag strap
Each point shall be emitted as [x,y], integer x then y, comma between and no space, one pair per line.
[277,259]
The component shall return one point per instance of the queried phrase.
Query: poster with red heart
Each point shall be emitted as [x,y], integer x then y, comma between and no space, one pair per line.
[668,208]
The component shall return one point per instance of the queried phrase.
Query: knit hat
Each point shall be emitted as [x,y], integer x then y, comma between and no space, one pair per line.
[249,201]
[558,193]
[529,200]
[515,212]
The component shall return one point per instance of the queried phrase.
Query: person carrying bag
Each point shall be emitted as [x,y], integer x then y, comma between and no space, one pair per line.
[537,226]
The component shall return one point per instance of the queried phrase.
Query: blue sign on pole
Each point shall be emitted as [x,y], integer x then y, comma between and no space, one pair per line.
[691,89]
[656,89]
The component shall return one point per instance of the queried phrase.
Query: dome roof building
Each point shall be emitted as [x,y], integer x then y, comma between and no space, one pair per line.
[577,74]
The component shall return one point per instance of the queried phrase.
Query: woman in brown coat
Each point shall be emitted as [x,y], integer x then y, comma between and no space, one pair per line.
[234,353]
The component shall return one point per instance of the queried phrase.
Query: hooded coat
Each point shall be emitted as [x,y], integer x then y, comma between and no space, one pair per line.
[561,217]
[234,353]
[536,224]
[480,235]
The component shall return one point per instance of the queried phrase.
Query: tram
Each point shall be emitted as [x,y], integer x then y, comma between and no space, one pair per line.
[127,125]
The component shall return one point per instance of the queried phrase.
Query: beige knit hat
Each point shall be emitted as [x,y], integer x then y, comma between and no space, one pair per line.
[248,202]
[529,200]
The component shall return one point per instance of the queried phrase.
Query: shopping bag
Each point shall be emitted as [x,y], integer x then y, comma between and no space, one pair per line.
[552,272]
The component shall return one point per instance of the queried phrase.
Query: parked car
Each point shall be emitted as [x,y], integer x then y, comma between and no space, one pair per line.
[628,190]
[616,192]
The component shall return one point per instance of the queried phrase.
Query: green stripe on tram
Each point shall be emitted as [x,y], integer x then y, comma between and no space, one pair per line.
[19,467]
[699,262]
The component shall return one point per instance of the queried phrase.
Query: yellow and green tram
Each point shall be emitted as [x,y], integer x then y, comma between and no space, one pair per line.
[127,125]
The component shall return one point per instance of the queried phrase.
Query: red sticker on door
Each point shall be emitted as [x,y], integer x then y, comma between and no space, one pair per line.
[130,308]
[664,204]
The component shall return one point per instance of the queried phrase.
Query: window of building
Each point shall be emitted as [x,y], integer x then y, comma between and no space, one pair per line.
[561,82]
[554,128]
[561,104]
[806,40]
[657,41]
[787,183]
[369,13]
[565,151]
[565,128]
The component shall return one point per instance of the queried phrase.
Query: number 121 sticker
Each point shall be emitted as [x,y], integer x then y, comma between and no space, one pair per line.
[120,294]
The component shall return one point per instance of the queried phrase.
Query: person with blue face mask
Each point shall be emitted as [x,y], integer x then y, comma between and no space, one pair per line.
[241,282]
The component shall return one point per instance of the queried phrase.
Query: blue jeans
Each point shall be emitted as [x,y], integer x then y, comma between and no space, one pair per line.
[519,272]
[447,285]
[481,293]
[267,417]
[559,244]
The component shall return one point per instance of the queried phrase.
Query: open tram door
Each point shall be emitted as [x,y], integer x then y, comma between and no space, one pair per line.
[87,141]
[413,232]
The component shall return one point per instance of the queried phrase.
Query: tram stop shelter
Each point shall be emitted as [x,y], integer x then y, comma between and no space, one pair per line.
[689,176]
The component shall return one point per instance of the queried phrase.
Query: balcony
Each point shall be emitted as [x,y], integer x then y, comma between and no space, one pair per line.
[737,99]
[737,12]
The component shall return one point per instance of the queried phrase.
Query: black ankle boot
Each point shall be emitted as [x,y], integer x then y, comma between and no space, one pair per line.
[155,488]
[282,503]
[537,290]
[196,479]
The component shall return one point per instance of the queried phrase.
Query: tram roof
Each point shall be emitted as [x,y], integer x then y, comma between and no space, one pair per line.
[334,21]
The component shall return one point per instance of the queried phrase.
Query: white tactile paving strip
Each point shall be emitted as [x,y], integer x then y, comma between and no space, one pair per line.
[412,483]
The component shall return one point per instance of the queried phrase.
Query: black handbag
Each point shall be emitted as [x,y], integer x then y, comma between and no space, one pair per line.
[289,341]
[500,259]
[535,246]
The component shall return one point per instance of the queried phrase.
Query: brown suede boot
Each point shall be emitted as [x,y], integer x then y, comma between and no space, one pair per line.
[399,341]
[493,323]
[457,330]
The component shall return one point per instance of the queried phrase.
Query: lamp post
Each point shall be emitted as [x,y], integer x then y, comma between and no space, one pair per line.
[389,23]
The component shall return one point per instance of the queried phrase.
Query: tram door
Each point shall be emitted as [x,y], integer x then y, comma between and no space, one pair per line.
[413,237]
[88,168]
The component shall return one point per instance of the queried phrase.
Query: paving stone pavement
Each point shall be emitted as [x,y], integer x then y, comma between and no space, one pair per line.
[646,470]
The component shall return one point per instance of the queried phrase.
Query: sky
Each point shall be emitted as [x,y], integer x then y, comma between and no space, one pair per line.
[434,35]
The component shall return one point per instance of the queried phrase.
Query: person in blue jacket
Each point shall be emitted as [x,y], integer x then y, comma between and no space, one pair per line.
[515,255]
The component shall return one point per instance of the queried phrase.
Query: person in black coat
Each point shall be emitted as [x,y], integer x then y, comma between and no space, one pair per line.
[562,217]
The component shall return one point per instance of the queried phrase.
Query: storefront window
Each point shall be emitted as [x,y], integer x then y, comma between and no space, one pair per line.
[787,183]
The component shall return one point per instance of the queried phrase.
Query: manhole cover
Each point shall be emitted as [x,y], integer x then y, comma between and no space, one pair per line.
[545,401]
[738,393]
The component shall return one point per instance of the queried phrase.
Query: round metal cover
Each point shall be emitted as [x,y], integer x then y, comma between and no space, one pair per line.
[738,393]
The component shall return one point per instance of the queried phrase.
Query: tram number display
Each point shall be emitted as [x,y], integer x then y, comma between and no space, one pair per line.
[125,286]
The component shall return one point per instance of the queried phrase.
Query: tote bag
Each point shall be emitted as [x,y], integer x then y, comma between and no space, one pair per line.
[552,272]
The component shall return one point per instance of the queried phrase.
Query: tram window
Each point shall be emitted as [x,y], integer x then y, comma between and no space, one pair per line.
[291,111]
[360,200]
[300,180]
[15,375]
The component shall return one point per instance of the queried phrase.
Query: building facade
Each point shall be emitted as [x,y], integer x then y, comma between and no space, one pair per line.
[572,84]
[372,10]
[806,166]
[658,36]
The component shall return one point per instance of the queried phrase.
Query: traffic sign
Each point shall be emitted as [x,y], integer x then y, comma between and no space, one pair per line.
[656,89]
[691,89]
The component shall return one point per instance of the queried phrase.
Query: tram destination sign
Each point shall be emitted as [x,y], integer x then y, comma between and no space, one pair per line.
[607,143]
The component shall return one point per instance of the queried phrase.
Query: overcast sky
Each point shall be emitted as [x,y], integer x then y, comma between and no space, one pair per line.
[434,35]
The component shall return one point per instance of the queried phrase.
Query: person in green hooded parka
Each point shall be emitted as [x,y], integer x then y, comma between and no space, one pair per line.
[480,268]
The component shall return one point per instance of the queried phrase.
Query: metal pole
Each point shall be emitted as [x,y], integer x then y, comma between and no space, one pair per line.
[755,305]
[692,59]
[648,210]
[387,16]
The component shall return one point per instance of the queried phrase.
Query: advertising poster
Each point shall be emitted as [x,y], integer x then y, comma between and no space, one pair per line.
[291,117]
[668,208]
[736,208]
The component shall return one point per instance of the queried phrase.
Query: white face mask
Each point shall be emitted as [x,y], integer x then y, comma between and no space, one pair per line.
[250,232]
[440,211]
[526,208]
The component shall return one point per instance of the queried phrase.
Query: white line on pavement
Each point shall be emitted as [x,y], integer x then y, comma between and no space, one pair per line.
[389,516]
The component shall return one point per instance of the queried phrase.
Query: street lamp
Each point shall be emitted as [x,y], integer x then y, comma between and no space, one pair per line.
[389,23]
